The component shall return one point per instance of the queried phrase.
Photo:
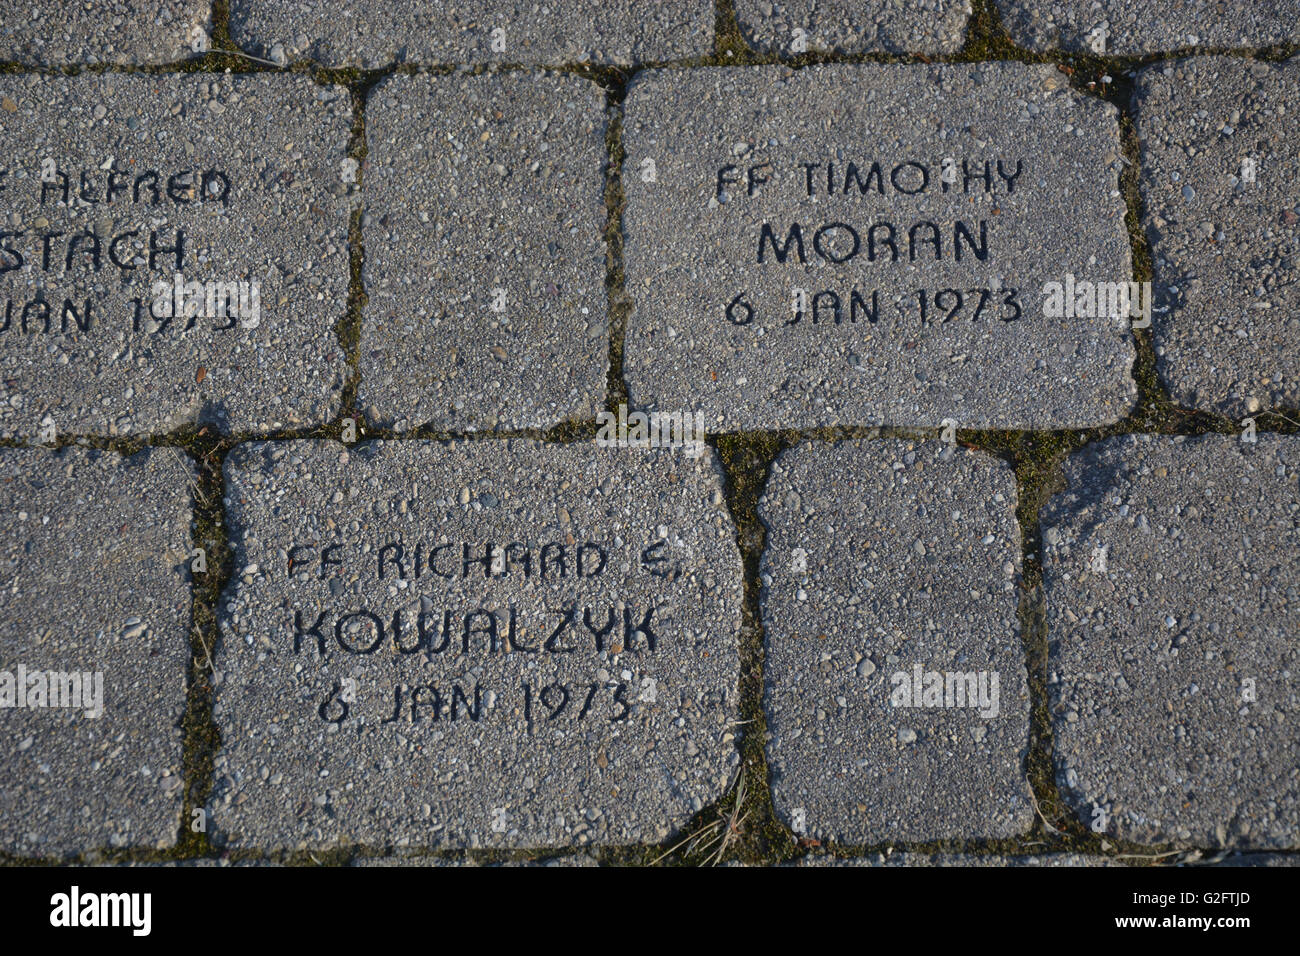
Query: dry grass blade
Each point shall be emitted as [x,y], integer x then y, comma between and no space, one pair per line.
[733,825]
[1037,810]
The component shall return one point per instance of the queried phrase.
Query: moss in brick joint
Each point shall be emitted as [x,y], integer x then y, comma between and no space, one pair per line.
[747,461]
[620,304]
[201,736]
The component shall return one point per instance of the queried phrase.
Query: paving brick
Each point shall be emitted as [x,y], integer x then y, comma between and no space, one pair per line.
[1220,160]
[217,179]
[485,257]
[95,548]
[1169,574]
[566,860]
[1122,27]
[138,32]
[865,26]
[1260,859]
[370,33]
[695,264]
[603,710]
[958,860]
[884,559]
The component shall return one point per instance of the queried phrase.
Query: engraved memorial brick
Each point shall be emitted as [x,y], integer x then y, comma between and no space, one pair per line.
[485,643]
